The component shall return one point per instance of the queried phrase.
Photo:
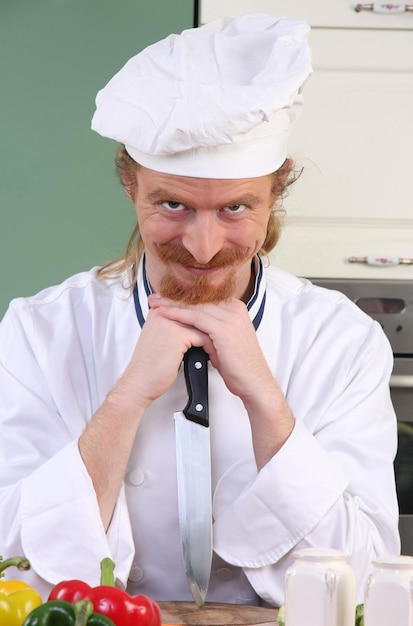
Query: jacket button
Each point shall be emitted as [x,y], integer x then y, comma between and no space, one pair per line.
[224,573]
[136,476]
[135,574]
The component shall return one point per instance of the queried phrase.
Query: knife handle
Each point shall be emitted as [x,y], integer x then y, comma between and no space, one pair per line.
[196,378]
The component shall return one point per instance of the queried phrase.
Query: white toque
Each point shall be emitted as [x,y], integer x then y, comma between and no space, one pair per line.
[213,102]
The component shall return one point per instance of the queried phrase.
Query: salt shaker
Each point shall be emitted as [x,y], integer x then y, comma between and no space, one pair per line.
[389,592]
[320,589]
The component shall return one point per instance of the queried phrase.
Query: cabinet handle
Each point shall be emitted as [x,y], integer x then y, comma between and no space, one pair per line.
[401,381]
[381,261]
[376,7]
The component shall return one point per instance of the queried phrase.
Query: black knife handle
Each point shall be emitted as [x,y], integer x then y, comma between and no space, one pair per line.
[196,378]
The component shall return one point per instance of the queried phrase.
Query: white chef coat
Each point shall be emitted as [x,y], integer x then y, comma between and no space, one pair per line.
[331,484]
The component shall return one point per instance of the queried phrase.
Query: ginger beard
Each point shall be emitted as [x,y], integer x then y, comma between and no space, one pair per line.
[198,289]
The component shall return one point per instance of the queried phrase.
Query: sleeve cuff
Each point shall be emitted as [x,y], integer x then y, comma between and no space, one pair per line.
[269,512]
[62,532]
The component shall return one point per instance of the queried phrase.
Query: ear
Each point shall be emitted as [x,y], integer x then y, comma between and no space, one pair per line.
[128,189]
[287,171]
[126,174]
[281,179]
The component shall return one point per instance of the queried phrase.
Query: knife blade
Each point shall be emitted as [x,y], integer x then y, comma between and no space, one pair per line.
[193,457]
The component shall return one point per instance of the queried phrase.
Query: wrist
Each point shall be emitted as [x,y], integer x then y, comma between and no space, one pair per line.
[125,401]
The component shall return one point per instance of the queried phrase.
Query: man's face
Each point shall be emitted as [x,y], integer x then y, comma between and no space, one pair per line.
[201,234]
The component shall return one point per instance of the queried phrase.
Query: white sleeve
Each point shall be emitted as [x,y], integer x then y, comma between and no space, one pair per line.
[52,517]
[48,507]
[331,484]
[59,511]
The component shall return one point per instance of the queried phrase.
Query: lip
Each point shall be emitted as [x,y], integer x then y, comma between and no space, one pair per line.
[201,271]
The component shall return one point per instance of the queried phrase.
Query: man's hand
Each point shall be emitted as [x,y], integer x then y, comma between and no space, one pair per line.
[106,443]
[156,359]
[228,335]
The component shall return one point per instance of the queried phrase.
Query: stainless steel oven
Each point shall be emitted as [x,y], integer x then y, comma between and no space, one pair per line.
[391,304]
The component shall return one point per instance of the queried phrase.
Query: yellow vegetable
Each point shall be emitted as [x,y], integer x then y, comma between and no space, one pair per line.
[17,598]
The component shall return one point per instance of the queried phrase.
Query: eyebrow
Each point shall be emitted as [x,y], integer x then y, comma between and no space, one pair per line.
[248,198]
[160,193]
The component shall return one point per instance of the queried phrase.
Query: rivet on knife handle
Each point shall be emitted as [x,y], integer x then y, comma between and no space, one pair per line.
[196,377]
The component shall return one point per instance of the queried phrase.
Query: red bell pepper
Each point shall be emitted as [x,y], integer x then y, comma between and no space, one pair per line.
[118,605]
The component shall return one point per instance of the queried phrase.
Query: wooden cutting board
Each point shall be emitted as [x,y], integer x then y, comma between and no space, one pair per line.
[217,614]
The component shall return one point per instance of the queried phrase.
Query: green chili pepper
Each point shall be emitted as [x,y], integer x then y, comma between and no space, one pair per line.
[62,613]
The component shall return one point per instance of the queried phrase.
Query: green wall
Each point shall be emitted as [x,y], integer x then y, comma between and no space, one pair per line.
[62,209]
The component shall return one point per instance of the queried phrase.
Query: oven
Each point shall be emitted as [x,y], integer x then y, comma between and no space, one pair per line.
[391,304]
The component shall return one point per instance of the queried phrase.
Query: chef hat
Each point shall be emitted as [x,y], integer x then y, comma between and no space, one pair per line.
[213,102]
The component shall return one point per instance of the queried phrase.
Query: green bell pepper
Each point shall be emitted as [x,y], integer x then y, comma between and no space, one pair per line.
[62,613]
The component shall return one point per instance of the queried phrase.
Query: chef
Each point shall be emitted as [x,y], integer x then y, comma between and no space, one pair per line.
[303,433]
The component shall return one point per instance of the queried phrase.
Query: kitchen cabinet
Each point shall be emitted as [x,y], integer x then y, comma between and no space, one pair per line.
[354,139]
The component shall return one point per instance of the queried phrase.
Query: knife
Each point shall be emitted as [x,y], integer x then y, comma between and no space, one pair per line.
[193,458]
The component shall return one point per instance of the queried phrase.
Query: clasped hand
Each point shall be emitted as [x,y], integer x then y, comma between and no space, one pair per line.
[224,330]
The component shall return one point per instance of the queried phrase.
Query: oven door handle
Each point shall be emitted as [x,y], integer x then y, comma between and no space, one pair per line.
[401,381]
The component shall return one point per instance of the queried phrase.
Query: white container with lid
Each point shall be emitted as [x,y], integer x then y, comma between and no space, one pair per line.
[320,589]
[389,592]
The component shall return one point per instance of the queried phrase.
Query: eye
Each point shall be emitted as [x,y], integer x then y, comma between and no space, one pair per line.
[171,205]
[235,208]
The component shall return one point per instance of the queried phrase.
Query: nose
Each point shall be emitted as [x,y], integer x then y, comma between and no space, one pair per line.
[204,236]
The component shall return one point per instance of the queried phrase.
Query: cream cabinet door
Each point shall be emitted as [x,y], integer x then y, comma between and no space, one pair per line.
[318,13]
[354,140]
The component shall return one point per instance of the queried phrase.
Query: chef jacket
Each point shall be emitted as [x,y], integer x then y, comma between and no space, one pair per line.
[331,484]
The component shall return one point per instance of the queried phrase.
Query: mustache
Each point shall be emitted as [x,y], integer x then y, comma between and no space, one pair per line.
[170,253]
